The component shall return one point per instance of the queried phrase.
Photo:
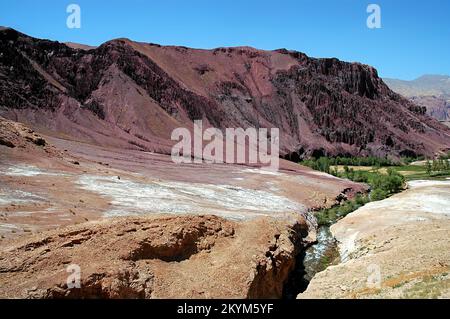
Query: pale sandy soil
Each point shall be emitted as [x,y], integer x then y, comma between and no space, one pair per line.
[90,182]
[403,240]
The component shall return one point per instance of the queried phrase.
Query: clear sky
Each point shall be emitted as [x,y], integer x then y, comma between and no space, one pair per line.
[414,38]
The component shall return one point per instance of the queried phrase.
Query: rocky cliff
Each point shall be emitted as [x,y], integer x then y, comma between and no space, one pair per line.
[154,257]
[132,95]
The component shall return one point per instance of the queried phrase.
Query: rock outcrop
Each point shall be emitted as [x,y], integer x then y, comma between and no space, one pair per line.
[133,95]
[154,257]
[17,135]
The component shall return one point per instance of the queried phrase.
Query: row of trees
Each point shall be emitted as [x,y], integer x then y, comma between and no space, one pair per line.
[361,161]
[323,164]
[438,166]
[381,185]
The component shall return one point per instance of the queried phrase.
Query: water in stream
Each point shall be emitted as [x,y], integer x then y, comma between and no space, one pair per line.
[321,255]
[316,258]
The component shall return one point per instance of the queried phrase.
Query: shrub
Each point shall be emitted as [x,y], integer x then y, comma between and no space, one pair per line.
[382,186]
[378,194]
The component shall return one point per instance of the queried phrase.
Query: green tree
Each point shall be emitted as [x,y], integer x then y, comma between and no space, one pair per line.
[447,165]
[429,167]
[435,166]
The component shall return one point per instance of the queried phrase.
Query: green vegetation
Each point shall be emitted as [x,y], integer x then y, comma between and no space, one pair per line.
[382,186]
[390,182]
[324,164]
[328,216]
[429,287]
[412,172]
[438,167]
[445,157]
[409,160]
[384,177]
[330,257]
[361,161]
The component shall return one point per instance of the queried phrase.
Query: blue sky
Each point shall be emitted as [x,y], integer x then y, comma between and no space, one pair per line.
[414,38]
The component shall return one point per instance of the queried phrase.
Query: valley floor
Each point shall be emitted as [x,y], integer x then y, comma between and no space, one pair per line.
[60,206]
[140,226]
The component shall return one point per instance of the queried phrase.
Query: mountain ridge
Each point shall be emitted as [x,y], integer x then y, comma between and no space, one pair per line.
[430,90]
[133,94]
[425,85]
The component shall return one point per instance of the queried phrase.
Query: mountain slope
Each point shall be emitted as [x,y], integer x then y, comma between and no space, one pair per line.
[430,91]
[425,85]
[132,95]
[437,106]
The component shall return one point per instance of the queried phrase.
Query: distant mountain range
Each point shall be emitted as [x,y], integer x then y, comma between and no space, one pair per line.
[426,85]
[132,95]
[431,91]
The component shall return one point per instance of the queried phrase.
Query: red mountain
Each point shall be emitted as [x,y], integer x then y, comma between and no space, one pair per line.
[132,95]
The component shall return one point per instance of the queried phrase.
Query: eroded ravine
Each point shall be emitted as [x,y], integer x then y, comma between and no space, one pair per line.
[310,261]
[393,248]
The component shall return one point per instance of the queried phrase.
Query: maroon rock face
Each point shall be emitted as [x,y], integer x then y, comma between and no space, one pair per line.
[133,95]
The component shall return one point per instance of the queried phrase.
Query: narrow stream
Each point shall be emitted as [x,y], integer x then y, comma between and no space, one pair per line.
[315,259]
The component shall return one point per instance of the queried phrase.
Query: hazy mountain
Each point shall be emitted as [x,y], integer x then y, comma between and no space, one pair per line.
[431,91]
[426,85]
